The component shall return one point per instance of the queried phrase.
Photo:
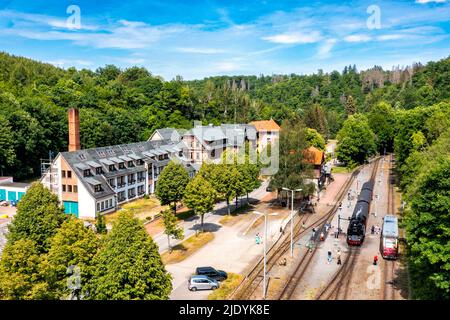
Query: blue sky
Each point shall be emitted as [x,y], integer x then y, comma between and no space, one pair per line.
[196,39]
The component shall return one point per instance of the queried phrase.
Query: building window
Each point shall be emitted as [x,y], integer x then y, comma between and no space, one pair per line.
[213,153]
[75,189]
[198,155]
[98,188]
[111,183]
[110,203]
[140,162]
[64,188]
[121,165]
[112,168]
[87,173]
[99,170]
[166,156]
[69,188]
[69,174]
[130,164]
[103,205]
[63,173]
[98,206]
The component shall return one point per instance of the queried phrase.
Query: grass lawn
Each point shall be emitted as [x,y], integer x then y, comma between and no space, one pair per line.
[226,287]
[341,170]
[142,209]
[186,248]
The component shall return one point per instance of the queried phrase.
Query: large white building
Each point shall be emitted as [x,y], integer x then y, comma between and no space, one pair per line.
[96,181]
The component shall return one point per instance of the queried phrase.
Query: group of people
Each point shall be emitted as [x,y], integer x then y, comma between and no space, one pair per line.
[338,256]
[375,229]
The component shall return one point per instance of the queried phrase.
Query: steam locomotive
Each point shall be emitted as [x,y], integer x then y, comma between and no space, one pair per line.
[357,227]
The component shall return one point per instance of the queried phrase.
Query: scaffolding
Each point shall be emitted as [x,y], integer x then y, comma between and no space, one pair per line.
[49,174]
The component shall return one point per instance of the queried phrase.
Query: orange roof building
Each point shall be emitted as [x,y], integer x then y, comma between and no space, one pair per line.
[267,132]
[265,125]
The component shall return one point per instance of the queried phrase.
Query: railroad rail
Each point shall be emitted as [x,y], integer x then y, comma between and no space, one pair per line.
[338,287]
[388,289]
[254,278]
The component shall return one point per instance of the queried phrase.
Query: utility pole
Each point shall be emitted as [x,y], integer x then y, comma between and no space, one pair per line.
[265,249]
[292,217]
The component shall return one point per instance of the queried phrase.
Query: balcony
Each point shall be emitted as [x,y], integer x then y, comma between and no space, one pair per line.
[131,196]
[131,182]
[121,185]
[141,179]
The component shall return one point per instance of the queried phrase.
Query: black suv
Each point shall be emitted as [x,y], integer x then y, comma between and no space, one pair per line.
[210,272]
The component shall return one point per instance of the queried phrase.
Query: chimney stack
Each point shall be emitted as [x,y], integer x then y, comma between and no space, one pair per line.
[74,130]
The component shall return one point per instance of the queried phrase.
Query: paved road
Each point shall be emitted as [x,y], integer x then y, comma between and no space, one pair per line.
[211,220]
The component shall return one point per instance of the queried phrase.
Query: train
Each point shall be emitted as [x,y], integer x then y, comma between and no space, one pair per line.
[356,231]
[389,238]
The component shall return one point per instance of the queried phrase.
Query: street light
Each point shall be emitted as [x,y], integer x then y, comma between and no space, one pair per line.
[292,218]
[265,247]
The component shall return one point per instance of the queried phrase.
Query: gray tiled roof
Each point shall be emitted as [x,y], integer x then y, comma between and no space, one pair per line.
[79,161]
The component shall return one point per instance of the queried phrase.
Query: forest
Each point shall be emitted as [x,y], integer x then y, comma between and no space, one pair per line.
[121,106]
[404,110]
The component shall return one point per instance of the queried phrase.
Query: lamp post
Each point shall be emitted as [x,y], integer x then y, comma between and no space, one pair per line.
[265,248]
[292,217]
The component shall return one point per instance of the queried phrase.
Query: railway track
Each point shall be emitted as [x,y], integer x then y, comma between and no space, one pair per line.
[339,285]
[292,283]
[253,280]
[388,289]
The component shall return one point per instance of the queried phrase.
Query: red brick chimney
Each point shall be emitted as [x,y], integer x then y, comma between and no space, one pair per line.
[74,130]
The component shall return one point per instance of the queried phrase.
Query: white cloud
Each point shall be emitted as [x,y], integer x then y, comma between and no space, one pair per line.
[295,38]
[390,37]
[357,38]
[200,50]
[429,1]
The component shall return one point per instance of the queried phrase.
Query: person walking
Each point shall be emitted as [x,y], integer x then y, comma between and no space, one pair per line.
[330,257]
[372,230]
[313,233]
[338,256]
[322,236]
[375,260]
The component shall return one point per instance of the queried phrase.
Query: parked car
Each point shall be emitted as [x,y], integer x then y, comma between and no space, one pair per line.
[212,273]
[202,283]
[14,203]
[4,203]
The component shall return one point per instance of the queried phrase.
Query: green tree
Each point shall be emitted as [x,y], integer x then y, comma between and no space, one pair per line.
[19,270]
[7,154]
[355,141]
[171,227]
[292,170]
[72,251]
[199,196]
[382,122]
[100,224]
[171,184]
[427,226]
[38,217]
[315,139]
[350,106]
[128,265]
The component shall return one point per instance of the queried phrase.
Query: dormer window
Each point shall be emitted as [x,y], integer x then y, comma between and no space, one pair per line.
[122,165]
[130,164]
[112,168]
[99,170]
[87,173]
[139,162]
[98,188]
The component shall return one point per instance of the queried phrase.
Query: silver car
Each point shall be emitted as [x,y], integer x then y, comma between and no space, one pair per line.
[202,283]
